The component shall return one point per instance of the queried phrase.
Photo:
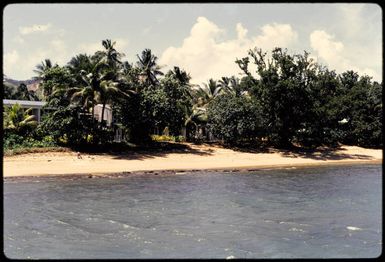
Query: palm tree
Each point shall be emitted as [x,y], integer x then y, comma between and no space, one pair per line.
[128,78]
[204,95]
[81,66]
[78,63]
[111,56]
[201,98]
[195,116]
[108,90]
[15,118]
[86,93]
[148,67]
[182,76]
[42,68]
[231,85]
[97,87]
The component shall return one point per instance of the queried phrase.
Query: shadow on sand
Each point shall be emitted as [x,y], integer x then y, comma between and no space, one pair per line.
[324,153]
[156,149]
[161,149]
[320,153]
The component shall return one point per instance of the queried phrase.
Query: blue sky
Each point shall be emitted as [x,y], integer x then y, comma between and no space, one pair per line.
[203,39]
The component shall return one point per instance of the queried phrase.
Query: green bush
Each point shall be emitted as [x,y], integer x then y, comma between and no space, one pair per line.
[164,138]
[14,141]
[180,139]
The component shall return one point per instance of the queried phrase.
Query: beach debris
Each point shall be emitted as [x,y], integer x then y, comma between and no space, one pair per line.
[49,160]
[79,155]
[353,228]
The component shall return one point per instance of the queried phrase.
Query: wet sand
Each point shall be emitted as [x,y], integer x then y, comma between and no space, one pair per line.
[197,157]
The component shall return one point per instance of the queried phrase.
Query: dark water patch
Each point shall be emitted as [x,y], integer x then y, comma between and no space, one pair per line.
[328,212]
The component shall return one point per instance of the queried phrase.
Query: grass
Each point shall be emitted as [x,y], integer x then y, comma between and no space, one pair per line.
[26,150]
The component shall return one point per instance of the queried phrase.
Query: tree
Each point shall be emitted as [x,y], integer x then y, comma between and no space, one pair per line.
[110,55]
[22,93]
[235,119]
[232,85]
[204,95]
[18,120]
[362,106]
[55,78]
[101,82]
[78,64]
[322,125]
[42,68]
[149,70]
[283,88]
[9,90]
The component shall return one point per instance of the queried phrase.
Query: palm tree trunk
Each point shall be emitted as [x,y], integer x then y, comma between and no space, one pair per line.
[93,111]
[93,131]
[104,106]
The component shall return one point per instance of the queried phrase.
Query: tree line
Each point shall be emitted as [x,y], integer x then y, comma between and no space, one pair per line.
[280,100]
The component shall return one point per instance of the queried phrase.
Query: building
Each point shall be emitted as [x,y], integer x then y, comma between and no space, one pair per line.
[107,113]
[35,105]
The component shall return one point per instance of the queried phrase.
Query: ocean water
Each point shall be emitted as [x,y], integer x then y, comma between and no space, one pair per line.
[323,212]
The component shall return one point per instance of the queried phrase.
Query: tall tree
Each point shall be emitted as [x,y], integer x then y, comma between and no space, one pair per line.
[42,68]
[283,88]
[149,69]
[208,92]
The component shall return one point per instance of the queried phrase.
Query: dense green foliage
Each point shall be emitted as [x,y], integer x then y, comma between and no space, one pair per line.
[235,118]
[304,103]
[14,141]
[282,99]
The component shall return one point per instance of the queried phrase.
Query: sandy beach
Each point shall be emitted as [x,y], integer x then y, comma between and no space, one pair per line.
[197,157]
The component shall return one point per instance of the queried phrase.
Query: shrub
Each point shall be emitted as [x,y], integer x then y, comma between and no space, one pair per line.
[164,138]
[14,141]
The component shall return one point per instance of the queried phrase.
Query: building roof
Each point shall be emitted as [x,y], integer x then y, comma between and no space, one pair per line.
[24,103]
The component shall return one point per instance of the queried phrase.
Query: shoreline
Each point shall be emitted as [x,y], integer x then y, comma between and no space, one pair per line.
[199,158]
[243,169]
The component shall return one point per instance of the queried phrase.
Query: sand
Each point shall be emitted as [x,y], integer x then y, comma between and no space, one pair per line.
[196,158]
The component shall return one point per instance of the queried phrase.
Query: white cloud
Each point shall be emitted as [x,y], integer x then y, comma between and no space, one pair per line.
[56,50]
[34,28]
[276,35]
[327,48]
[11,60]
[333,53]
[21,67]
[205,56]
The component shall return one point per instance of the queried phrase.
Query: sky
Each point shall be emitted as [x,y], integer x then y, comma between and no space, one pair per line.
[203,39]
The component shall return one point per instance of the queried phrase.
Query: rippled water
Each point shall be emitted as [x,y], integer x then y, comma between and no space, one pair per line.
[328,212]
